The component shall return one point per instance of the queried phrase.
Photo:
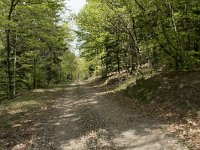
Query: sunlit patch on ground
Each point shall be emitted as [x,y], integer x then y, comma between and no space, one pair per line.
[82,116]
[25,116]
[46,90]
[92,140]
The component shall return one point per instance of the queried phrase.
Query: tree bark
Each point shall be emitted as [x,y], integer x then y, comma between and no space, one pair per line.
[8,51]
[14,67]
[118,62]
[34,73]
[10,92]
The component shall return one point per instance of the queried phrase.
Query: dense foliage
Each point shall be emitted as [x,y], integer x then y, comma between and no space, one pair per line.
[114,35]
[119,35]
[34,39]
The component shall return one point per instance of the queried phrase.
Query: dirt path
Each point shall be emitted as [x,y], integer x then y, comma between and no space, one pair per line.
[86,117]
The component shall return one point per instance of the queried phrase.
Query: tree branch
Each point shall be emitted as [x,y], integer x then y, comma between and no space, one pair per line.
[140,6]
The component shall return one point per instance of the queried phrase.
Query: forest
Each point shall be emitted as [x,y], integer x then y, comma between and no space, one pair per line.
[119,36]
[135,69]
[123,35]
[34,45]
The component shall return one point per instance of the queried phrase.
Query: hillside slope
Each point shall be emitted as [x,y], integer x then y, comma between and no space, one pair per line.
[173,98]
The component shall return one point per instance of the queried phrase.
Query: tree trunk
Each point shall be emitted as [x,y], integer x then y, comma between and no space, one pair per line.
[14,69]
[34,73]
[10,92]
[102,66]
[135,41]
[9,73]
[106,70]
[155,60]
[118,62]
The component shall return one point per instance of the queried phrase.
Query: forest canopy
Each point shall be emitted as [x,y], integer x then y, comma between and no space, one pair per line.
[34,39]
[114,35]
[121,35]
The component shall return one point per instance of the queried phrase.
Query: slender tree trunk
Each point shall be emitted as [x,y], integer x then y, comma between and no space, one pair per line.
[118,62]
[127,63]
[179,58]
[155,60]
[106,70]
[176,63]
[172,18]
[60,72]
[132,56]
[136,46]
[34,73]
[10,92]
[102,66]
[14,68]
[9,73]
[8,50]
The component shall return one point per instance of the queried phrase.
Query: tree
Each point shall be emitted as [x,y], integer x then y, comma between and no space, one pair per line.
[123,35]
[33,42]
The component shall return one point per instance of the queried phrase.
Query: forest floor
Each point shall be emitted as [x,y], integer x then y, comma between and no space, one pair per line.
[85,116]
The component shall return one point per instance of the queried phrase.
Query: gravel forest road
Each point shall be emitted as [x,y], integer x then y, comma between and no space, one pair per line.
[88,118]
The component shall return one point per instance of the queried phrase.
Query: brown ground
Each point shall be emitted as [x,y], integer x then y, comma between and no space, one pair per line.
[82,116]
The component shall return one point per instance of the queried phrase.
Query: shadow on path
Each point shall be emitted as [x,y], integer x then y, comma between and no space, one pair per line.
[81,116]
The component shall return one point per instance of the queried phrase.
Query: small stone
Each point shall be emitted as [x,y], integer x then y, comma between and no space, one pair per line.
[19,147]
[181,86]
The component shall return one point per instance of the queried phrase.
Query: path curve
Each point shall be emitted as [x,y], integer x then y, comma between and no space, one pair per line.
[88,118]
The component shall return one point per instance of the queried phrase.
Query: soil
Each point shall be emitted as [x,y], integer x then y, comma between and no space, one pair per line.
[85,117]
